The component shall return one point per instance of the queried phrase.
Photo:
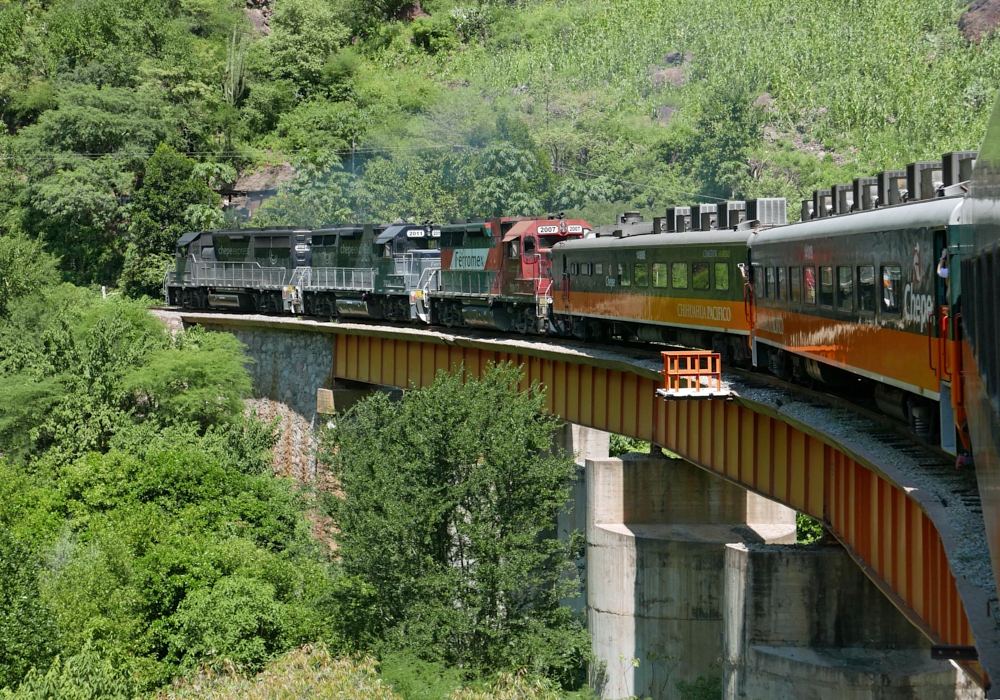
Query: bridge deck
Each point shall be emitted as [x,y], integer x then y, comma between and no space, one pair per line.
[907,518]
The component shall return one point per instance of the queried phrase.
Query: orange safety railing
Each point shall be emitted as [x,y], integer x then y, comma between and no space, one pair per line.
[684,370]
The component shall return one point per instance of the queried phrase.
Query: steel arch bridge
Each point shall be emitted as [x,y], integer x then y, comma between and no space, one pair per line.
[898,533]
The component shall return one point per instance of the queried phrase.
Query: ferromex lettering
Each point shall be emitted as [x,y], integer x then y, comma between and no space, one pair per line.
[707,313]
[469,258]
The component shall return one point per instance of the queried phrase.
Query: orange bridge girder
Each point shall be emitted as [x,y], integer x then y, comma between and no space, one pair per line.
[895,531]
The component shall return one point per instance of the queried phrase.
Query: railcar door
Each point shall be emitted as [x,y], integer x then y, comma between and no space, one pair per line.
[945,353]
[530,259]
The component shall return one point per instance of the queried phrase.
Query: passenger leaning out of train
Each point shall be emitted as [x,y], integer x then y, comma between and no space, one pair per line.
[942,266]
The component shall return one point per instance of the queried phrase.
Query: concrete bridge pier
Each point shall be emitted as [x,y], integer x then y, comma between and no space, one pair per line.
[807,622]
[583,444]
[656,536]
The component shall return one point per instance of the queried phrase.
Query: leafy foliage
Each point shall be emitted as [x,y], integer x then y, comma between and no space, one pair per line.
[807,530]
[308,672]
[126,465]
[466,110]
[24,268]
[445,526]
[27,632]
[83,676]
[701,688]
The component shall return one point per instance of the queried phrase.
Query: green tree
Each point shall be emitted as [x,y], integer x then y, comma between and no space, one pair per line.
[78,210]
[24,268]
[729,128]
[27,632]
[161,209]
[446,526]
[84,676]
[304,34]
[317,196]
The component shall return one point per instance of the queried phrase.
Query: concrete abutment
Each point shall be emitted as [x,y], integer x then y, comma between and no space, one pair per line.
[656,532]
[807,622]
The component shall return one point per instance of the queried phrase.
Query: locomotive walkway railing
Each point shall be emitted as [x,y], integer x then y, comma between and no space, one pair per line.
[229,274]
[354,279]
[412,267]
[467,282]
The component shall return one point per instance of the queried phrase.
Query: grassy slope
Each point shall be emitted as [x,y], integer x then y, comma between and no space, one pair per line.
[856,86]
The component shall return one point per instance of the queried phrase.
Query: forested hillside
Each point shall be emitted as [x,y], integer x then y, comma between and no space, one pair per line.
[124,117]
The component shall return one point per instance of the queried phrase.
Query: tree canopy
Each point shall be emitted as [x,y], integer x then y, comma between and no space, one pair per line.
[446,526]
[124,119]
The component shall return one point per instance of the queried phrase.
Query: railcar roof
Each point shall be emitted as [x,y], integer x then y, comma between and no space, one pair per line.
[527,226]
[188,237]
[941,211]
[395,231]
[718,237]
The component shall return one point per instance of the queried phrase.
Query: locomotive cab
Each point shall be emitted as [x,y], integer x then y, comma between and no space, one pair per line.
[405,254]
[528,253]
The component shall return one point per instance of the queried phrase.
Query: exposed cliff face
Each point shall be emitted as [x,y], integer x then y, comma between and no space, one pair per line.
[295,457]
[979,21]
[259,14]
[295,453]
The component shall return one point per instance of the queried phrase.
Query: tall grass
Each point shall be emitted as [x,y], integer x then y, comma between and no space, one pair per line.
[892,79]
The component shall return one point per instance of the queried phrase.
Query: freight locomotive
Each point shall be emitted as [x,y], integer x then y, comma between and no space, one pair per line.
[852,293]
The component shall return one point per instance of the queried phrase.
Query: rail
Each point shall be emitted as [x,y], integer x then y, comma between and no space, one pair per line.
[683,372]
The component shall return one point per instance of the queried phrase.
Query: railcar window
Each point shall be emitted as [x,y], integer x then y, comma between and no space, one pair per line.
[624,278]
[679,275]
[514,250]
[599,268]
[769,283]
[782,285]
[452,239]
[641,279]
[659,275]
[845,288]
[826,285]
[795,284]
[722,276]
[866,288]
[891,288]
[700,276]
[809,284]
[574,268]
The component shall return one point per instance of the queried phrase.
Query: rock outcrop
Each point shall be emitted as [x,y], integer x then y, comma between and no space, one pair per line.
[979,21]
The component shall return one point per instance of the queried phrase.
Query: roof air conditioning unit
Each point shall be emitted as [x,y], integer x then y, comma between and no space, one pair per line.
[958,166]
[923,179]
[842,198]
[822,204]
[705,217]
[769,211]
[730,214]
[678,219]
[865,193]
[807,209]
[891,187]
